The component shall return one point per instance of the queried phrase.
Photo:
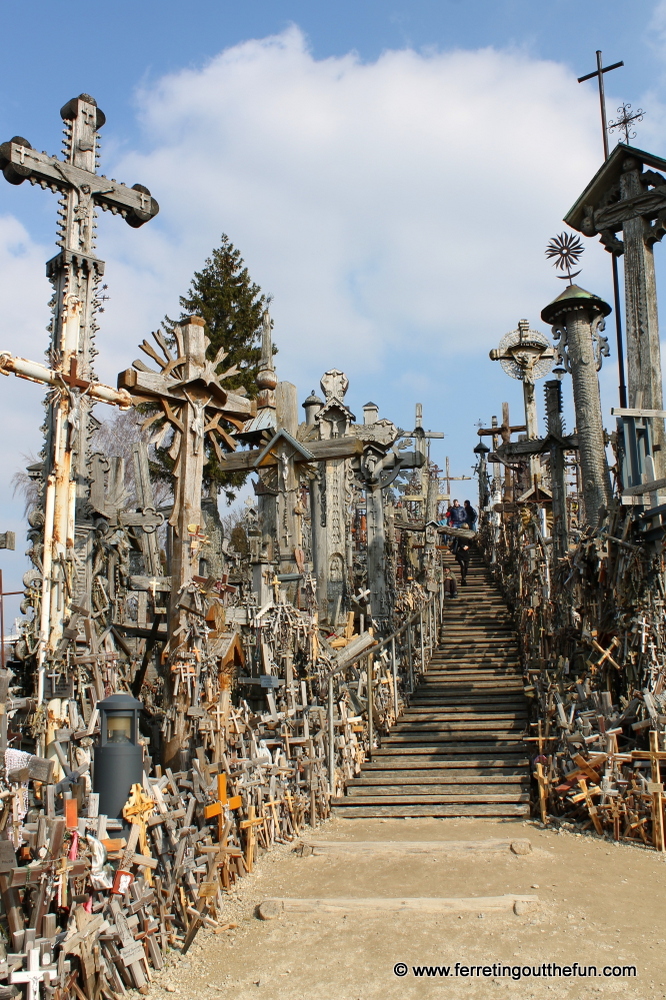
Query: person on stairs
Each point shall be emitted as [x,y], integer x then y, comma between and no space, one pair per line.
[455,515]
[470,515]
[462,553]
[450,585]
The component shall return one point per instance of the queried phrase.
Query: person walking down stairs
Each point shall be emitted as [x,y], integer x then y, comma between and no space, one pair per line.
[462,553]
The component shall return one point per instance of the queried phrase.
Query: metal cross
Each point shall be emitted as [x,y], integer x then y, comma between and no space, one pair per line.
[599,73]
[626,120]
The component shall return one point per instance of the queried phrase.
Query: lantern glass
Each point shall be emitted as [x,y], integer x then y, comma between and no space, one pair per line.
[119,729]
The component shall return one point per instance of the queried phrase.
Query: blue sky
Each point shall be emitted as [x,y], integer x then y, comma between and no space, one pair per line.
[391,173]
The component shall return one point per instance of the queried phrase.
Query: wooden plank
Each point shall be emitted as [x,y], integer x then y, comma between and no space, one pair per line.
[401,904]
[369,848]
[424,798]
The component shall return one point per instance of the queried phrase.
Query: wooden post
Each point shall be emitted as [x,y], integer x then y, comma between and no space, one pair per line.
[394,667]
[409,656]
[331,739]
[657,789]
[369,664]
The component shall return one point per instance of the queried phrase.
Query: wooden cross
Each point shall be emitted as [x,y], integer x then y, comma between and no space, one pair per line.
[74,274]
[137,809]
[450,479]
[34,974]
[249,825]
[218,808]
[526,355]
[606,653]
[586,793]
[192,400]
[655,787]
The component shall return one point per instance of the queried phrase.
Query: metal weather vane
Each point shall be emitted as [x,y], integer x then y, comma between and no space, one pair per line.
[567,250]
[625,121]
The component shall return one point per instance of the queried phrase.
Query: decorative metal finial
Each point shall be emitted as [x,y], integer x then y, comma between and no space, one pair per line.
[567,248]
[626,120]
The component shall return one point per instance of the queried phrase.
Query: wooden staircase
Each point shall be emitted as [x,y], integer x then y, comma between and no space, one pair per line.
[458,748]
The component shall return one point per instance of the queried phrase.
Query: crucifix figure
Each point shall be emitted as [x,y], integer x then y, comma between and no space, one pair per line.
[192,402]
[526,355]
[74,273]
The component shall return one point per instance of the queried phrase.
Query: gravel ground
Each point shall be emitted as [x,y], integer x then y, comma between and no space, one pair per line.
[601,904]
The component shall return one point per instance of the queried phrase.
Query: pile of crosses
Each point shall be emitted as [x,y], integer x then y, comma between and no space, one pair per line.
[259,697]
[575,537]
[92,903]
[594,652]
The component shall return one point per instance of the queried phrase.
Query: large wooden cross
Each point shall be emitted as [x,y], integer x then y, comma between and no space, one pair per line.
[75,273]
[76,270]
[192,403]
[526,355]
[59,497]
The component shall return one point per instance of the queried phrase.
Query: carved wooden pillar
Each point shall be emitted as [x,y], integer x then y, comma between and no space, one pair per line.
[557,478]
[643,350]
[577,318]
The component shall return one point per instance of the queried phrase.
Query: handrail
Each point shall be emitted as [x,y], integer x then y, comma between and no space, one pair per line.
[368,655]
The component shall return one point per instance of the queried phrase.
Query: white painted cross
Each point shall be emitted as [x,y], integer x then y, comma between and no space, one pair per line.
[33,975]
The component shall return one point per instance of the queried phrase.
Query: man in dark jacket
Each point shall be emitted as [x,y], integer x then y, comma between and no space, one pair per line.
[455,515]
[461,554]
[470,515]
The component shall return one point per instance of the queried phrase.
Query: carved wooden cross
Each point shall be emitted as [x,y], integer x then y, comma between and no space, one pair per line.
[59,500]
[192,404]
[74,273]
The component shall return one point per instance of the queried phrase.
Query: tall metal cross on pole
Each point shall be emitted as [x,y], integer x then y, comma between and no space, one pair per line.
[599,73]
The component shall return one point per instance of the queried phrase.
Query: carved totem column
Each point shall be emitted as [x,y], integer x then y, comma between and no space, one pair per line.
[577,318]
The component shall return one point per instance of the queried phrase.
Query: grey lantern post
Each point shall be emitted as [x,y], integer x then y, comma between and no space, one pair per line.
[119,756]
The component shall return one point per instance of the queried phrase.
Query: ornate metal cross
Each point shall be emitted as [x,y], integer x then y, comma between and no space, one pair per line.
[625,121]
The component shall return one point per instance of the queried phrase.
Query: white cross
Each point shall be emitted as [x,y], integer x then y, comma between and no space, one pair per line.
[33,975]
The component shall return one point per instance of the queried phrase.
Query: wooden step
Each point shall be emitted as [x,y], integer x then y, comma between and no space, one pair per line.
[418,798]
[458,749]
[442,779]
[471,750]
[346,810]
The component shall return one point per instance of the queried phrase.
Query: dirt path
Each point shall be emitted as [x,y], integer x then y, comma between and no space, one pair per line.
[601,904]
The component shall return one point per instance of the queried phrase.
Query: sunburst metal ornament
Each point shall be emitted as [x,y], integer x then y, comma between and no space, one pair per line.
[567,249]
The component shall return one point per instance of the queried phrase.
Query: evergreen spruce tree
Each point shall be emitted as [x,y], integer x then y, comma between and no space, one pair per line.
[224,295]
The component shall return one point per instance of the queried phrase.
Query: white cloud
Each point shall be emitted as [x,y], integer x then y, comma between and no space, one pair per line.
[397,210]
[401,202]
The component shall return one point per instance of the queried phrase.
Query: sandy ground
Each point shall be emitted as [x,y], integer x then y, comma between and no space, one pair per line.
[600,904]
